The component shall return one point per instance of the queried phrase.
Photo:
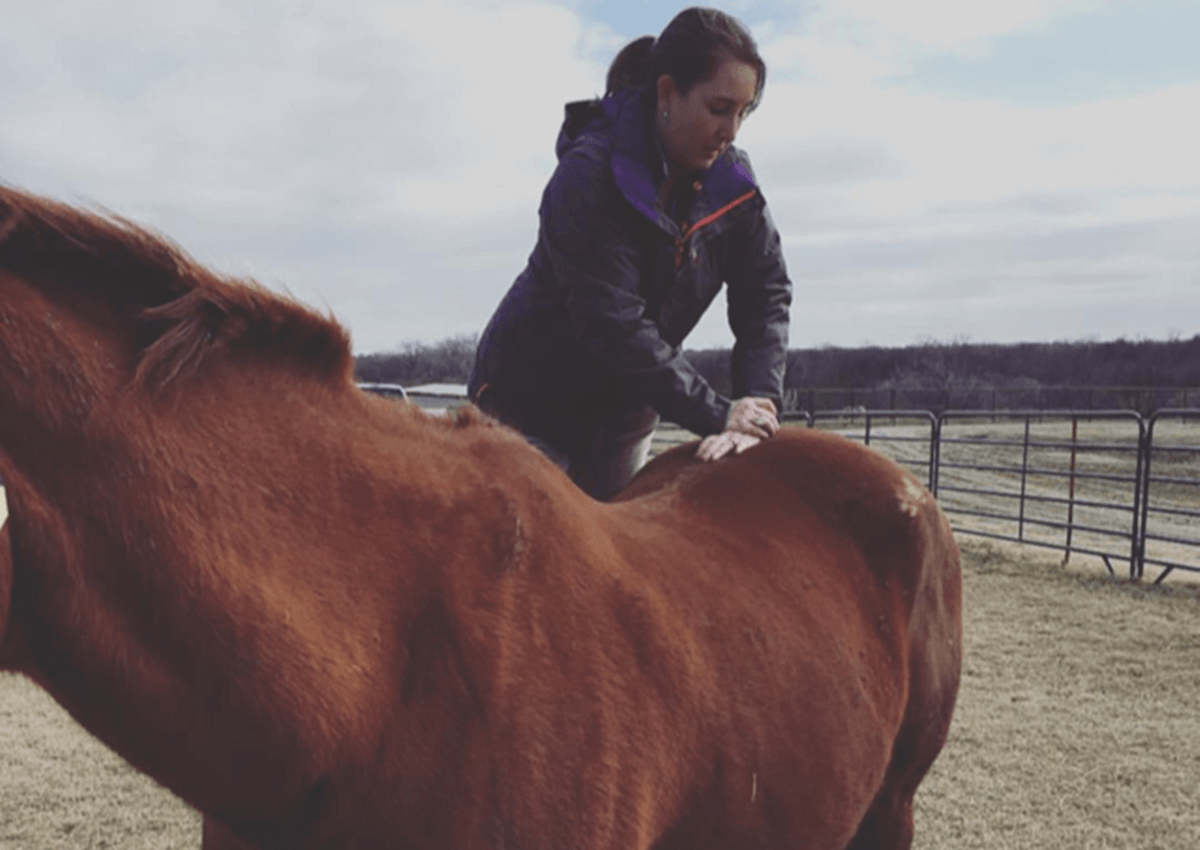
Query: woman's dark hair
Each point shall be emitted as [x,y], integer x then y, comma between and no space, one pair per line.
[691,47]
[631,67]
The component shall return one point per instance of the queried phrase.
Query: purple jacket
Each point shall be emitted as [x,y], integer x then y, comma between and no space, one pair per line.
[615,284]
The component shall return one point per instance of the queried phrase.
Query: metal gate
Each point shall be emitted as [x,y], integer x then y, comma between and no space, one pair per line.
[1110,484]
[1170,520]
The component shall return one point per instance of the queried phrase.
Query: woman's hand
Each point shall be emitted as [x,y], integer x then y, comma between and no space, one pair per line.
[716,446]
[753,416]
[751,420]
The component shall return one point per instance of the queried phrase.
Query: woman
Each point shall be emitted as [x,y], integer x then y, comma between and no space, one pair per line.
[650,210]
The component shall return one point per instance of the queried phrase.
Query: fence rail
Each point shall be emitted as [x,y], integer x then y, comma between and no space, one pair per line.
[1110,484]
[1144,400]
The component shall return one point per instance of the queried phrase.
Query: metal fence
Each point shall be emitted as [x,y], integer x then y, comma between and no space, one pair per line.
[1170,518]
[1111,484]
[973,396]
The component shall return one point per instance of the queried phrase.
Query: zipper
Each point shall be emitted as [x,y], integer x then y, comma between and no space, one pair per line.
[708,219]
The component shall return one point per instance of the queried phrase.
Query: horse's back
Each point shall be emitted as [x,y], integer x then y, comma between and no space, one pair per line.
[812,499]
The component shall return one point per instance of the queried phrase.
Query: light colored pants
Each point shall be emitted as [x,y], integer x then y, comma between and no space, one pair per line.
[614,447]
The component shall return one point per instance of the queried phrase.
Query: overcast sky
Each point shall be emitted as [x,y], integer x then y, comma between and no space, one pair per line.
[940,169]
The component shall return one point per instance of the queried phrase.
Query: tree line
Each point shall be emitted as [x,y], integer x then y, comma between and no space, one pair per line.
[1116,374]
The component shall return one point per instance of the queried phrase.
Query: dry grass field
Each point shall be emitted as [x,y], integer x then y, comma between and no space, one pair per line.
[60,788]
[1078,727]
[1078,722]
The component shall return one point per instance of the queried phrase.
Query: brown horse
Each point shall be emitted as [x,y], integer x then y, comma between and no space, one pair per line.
[329,620]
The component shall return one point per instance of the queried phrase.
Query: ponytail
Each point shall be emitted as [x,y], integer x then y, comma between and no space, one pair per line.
[691,47]
[631,67]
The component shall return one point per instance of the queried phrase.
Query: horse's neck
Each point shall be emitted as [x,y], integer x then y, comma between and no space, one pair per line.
[216,613]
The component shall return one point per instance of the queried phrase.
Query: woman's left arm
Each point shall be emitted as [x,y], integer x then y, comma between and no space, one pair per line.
[760,298]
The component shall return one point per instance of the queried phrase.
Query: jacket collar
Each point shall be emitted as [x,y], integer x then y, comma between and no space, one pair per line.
[637,160]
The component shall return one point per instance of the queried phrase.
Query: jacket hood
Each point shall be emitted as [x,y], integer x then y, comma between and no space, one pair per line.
[622,116]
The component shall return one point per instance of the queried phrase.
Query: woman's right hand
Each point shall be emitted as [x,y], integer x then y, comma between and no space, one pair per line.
[753,416]
[750,421]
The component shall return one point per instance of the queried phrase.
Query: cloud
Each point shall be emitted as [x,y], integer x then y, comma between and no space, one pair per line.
[946,26]
[859,41]
[294,142]
[899,153]
[387,158]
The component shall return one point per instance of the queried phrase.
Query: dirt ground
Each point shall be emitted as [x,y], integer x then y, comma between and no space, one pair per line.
[1078,726]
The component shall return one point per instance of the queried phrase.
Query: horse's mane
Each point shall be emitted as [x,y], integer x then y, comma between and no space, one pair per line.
[187,311]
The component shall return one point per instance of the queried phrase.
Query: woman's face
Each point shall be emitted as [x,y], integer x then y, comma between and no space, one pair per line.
[700,125]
